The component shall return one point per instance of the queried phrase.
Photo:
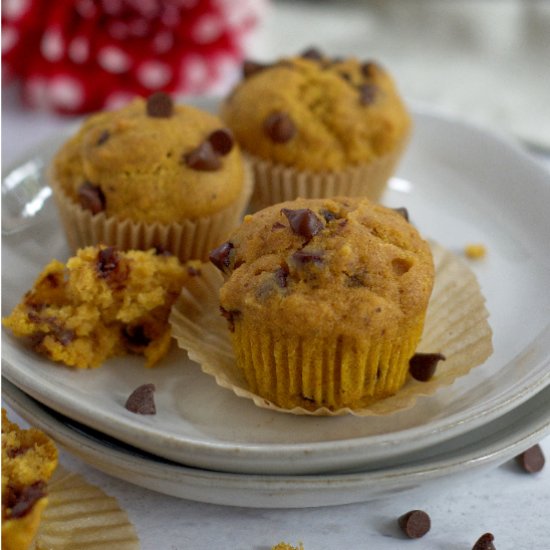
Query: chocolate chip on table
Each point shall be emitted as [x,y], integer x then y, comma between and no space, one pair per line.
[91,197]
[402,211]
[221,256]
[415,524]
[222,141]
[105,135]
[252,67]
[279,127]
[141,400]
[422,365]
[303,222]
[532,460]
[367,93]
[203,158]
[485,542]
[21,502]
[160,105]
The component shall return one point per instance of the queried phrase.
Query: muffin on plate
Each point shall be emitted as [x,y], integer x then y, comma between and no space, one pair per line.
[325,300]
[150,174]
[313,127]
[103,302]
[29,459]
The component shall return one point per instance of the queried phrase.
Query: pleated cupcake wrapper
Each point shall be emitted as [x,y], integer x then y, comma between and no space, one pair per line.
[274,183]
[80,515]
[191,239]
[456,325]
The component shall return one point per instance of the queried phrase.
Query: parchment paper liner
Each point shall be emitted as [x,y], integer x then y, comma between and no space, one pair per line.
[456,325]
[191,239]
[274,183]
[80,515]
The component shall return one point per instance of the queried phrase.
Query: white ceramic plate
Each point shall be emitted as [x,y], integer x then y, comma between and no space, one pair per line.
[461,185]
[484,447]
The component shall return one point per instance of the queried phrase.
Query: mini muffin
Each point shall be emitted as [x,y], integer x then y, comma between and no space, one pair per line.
[317,127]
[325,300]
[102,303]
[29,459]
[150,174]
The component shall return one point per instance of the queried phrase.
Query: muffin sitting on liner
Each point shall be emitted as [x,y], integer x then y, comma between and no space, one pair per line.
[150,174]
[313,126]
[325,300]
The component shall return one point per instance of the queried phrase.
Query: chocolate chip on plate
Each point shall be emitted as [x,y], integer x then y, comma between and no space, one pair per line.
[141,400]
[279,127]
[221,256]
[91,197]
[367,93]
[222,141]
[485,542]
[203,158]
[532,460]
[415,524]
[160,105]
[422,365]
[303,222]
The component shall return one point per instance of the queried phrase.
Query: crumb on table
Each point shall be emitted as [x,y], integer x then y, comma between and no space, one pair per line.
[475,251]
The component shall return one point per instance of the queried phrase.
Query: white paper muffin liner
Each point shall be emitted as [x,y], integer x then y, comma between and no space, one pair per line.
[190,239]
[456,325]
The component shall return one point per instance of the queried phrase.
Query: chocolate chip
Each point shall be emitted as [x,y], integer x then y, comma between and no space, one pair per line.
[107,261]
[422,365]
[312,53]
[222,141]
[203,158]
[141,400]
[354,281]
[303,222]
[345,76]
[193,271]
[402,211]
[329,215]
[415,524]
[485,542]
[160,105]
[252,67]
[221,256]
[532,460]
[367,93]
[105,135]
[22,501]
[91,197]
[302,257]
[281,276]
[277,225]
[63,335]
[161,251]
[230,316]
[369,68]
[279,127]
[14,452]
[136,336]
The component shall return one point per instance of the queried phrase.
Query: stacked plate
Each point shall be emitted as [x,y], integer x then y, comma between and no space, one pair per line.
[461,185]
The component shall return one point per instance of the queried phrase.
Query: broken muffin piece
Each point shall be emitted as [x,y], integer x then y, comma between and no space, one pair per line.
[102,303]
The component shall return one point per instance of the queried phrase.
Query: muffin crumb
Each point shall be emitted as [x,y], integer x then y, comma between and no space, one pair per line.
[475,251]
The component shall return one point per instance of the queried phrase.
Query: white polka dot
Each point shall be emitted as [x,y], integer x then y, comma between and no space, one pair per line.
[36,92]
[171,16]
[86,8]
[13,9]
[79,49]
[118,30]
[139,27]
[52,46]
[112,7]
[117,100]
[113,59]
[10,36]
[154,74]
[207,29]
[195,72]
[163,42]
[65,93]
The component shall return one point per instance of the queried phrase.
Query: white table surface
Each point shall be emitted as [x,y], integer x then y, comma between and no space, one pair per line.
[512,505]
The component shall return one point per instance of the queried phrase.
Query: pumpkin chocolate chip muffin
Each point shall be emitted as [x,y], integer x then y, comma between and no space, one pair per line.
[337,125]
[29,459]
[152,173]
[325,300]
[103,302]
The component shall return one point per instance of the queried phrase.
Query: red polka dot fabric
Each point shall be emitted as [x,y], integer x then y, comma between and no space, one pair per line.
[76,56]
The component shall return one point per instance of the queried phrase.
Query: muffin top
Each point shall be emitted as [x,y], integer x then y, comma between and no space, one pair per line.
[151,161]
[326,266]
[316,113]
